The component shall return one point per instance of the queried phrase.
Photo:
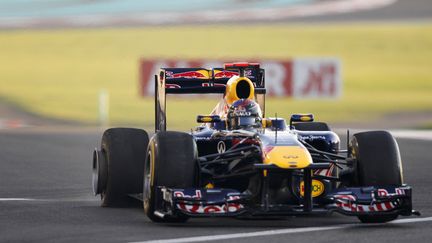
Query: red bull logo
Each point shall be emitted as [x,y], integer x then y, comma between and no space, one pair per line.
[225,74]
[200,74]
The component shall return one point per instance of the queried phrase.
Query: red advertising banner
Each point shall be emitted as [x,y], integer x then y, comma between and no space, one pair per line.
[299,77]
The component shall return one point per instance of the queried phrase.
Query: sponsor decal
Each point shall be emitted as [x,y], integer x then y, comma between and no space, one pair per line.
[225,74]
[212,85]
[385,193]
[348,203]
[221,147]
[316,77]
[12,123]
[172,86]
[317,188]
[182,195]
[242,113]
[201,74]
[215,209]
[312,137]
[209,209]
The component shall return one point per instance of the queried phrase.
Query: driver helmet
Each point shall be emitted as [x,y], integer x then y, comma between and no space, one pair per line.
[244,114]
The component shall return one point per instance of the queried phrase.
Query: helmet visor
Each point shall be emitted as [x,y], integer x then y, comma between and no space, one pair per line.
[244,121]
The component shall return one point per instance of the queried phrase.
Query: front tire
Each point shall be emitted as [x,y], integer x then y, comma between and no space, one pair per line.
[378,164]
[171,162]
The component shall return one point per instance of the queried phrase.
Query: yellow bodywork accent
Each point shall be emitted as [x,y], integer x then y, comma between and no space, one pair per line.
[209,186]
[204,72]
[288,157]
[305,118]
[206,119]
[266,122]
[231,93]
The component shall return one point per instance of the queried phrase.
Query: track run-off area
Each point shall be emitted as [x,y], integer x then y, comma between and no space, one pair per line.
[46,195]
[43,14]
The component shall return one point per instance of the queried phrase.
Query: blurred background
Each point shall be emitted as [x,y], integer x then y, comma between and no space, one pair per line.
[80,62]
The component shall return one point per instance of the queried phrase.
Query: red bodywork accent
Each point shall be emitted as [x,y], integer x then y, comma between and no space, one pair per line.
[241,65]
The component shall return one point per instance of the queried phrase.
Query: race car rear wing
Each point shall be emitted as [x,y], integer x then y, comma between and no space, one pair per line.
[203,81]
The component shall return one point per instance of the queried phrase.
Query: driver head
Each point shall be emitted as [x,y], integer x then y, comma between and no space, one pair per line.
[244,114]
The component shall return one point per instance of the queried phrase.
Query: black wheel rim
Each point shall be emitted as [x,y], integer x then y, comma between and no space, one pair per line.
[95,173]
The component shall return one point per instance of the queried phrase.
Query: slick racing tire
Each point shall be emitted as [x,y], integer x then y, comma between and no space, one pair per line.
[378,164]
[171,162]
[311,126]
[123,152]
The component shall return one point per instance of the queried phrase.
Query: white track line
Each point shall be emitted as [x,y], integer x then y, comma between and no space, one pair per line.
[413,134]
[279,232]
[425,135]
[17,199]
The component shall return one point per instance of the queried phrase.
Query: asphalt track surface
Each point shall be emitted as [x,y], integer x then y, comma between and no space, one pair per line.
[46,196]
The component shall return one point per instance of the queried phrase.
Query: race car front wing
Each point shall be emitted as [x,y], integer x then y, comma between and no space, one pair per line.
[216,202]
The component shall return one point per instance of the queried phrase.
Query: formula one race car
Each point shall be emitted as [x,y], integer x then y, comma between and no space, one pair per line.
[239,163]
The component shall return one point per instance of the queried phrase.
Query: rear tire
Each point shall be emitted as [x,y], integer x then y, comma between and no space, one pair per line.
[378,164]
[171,161]
[124,152]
